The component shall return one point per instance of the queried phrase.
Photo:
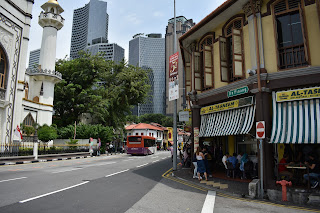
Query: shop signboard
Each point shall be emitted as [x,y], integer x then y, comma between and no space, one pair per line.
[260,130]
[298,94]
[242,102]
[238,91]
[184,116]
[173,77]
[196,138]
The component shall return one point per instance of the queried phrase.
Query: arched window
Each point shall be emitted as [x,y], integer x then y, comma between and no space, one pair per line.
[290,34]
[3,69]
[231,52]
[28,120]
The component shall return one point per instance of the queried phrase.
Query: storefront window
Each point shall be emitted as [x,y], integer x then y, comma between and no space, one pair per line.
[247,144]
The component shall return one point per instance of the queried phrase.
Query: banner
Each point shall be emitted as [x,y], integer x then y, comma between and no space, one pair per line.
[298,94]
[173,77]
[242,102]
[18,133]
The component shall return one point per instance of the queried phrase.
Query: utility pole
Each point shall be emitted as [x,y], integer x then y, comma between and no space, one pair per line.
[175,101]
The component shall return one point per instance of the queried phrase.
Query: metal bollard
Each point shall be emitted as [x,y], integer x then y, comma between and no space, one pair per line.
[284,184]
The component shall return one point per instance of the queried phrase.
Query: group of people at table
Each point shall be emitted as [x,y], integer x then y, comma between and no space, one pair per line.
[310,164]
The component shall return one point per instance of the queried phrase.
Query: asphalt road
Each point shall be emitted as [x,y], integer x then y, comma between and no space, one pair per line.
[118,183]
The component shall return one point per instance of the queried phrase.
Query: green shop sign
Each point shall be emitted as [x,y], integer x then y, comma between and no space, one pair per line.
[238,91]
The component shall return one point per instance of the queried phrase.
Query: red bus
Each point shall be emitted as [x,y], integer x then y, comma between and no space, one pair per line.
[141,145]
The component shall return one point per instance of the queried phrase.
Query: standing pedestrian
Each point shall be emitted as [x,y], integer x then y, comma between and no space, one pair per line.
[91,146]
[194,161]
[98,147]
[200,164]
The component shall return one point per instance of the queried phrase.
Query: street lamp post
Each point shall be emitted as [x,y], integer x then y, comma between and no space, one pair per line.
[175,101]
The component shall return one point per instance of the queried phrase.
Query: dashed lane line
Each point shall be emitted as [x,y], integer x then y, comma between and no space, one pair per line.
[12,179]
[68,170]
[50,193]
[142,165]
[117,173]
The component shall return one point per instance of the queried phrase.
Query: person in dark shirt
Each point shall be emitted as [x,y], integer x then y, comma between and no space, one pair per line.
[314,170]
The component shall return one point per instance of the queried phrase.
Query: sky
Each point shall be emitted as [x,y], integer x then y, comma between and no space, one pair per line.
[126,18]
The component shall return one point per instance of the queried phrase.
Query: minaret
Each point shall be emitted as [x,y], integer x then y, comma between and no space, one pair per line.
[45,77]
[51,21]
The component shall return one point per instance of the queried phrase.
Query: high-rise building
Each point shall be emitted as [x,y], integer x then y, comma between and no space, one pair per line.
[112,52]
[148,52]
[34,58]
[182,26]
[90,23]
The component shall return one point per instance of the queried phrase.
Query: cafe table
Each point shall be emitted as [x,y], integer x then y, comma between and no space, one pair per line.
[300,167]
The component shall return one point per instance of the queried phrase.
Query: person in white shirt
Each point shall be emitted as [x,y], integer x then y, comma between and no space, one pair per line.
[239,156]
[224,160]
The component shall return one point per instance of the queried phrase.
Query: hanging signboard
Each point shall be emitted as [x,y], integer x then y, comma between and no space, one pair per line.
[196,138]
[298,94]
[238,91]
[173,77]
[184,116]
[242,102]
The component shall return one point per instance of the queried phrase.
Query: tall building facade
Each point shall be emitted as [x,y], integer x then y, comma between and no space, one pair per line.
[112,52]
[183,25]
[90,23]
[34,58]
[148,52]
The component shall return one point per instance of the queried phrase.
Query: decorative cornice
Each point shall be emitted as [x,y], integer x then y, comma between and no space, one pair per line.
[248,10]
[19,9]
[51,73]
[35,102]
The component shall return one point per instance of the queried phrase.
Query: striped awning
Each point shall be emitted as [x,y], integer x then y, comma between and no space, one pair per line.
[296,121]
[230,122]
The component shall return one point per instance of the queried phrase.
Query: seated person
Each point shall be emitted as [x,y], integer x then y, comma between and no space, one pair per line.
[314,170]
[233,159]
[282,169]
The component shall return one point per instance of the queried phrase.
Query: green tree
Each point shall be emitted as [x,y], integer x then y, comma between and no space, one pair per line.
[132,118]
[101,88]
[47,133]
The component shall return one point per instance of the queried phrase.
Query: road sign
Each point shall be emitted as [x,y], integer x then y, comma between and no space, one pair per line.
[183,116]
[260,130]
[238,91]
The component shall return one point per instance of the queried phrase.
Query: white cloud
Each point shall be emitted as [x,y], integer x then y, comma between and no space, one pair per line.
[133,19]
[158,14]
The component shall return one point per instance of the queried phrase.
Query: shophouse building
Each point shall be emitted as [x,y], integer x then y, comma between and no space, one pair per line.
[251,61]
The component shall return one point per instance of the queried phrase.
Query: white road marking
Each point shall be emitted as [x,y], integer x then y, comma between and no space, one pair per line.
[164,158]
[12,179]
[129,160]
[142,165]
[69,170]
[208,205]
[155,161]
[50,193]
[155,157]
[117,173]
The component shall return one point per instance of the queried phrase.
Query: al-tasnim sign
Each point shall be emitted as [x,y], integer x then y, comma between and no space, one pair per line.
[220,107]
[298,94]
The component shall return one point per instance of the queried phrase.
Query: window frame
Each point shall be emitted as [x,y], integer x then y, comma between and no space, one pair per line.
[228,74]
[3,77]
[300,10]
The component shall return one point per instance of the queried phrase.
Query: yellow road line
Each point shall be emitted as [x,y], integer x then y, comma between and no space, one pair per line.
[168,173]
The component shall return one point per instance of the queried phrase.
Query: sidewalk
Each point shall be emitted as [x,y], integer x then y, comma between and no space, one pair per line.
[235,187]
[46,158]
[239,189]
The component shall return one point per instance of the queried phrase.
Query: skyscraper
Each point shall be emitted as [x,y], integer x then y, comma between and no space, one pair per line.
[112,52]
[183,25]
[89,23]
[34,58]
[148,52]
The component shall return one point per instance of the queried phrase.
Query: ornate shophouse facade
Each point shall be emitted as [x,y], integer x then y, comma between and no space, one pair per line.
[250,61]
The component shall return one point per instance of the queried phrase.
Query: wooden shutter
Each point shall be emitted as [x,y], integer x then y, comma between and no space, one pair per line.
[188,77]
[223,59]
[238,70]
[208,66]
[304,33]
[197,72]
[318,9]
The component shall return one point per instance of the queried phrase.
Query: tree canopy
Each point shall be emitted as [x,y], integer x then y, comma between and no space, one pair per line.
[151,118]
[104,90]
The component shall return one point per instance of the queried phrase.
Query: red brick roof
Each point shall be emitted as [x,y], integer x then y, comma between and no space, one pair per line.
[143,126]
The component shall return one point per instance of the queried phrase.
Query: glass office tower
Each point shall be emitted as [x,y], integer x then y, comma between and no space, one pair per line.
[89,23]
[148,52]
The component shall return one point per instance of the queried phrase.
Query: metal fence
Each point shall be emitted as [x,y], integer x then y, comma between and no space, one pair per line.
[26,149]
